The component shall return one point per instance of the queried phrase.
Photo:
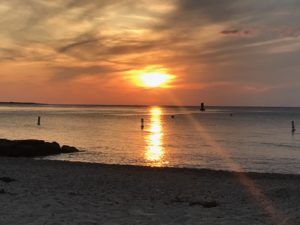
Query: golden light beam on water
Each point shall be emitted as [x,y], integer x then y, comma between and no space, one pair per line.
[277,216]
[154,153]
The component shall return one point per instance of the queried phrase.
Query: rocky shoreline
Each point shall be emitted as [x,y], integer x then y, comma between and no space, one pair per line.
[32,148]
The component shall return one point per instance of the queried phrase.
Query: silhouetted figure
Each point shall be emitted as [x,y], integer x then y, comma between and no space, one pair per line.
[172,116]
[293,127]
[231,114]
[202,108]
[142,123]
[39,121]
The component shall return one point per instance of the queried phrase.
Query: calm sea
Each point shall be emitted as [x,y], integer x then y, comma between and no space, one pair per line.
[224,138]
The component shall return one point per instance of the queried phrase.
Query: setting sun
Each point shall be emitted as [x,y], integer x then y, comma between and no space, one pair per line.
[154,79]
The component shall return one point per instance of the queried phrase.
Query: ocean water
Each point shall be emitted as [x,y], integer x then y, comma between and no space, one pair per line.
[254,139]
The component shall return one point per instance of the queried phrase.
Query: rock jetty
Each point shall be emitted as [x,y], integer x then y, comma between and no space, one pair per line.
[32,148]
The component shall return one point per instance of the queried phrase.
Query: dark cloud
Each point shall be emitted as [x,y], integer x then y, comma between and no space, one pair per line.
[195,13]
[76,45]
[103,72]
[94,49]
[232,31]
[9,54]
[239,32]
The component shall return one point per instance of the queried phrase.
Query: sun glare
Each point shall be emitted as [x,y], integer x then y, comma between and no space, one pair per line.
[154,79]
[151,77]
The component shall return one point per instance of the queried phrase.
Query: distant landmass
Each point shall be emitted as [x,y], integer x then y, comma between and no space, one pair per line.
[21,103]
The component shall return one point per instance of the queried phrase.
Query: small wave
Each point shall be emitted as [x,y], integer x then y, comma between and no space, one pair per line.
[280,145]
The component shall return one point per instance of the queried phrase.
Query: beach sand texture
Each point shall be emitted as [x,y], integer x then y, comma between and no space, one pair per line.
[53,192]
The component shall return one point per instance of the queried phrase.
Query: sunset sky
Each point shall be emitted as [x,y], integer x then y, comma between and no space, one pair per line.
[222,52]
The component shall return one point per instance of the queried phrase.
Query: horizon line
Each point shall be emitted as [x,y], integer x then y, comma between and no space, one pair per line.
[133,105]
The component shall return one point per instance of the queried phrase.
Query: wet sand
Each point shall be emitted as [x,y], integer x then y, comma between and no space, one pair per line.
[53,192]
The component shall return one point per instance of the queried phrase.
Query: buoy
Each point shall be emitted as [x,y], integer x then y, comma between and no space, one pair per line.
[293,127]
[202,109]
[142,123]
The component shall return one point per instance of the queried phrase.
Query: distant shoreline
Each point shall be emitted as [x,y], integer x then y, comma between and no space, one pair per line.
[21,103]
[133,105]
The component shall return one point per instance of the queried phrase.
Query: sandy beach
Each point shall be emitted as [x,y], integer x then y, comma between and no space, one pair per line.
[55,192]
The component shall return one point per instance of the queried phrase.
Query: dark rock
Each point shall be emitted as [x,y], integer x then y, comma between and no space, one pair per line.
[204,204]
[31,148]
[68,149]
[7,179]
[281,192]
[178,200]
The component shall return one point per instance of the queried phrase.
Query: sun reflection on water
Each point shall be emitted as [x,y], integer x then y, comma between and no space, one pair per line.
[155,152]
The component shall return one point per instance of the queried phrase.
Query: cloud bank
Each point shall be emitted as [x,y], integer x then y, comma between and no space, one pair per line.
[222,52]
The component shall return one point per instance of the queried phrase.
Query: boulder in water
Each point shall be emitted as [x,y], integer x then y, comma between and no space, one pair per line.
[68,149]
[30,148]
